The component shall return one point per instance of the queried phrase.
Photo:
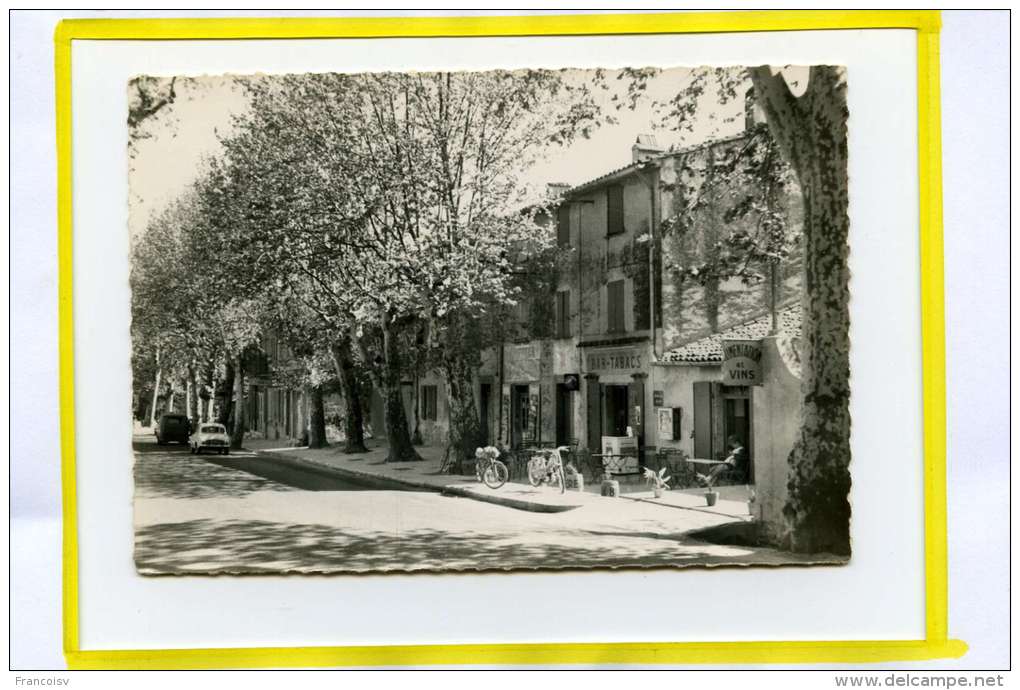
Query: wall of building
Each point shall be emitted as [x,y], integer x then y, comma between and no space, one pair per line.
[433,432]
[275,412]
[677,385]
[692,307]
[777,420]
[605,258]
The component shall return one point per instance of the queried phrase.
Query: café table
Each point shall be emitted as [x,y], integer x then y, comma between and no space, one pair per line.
[599,462]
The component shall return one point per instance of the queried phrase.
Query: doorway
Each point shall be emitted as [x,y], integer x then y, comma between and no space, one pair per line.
[737,422]
[484,402]
[615,409]
[564,415]
[520,405]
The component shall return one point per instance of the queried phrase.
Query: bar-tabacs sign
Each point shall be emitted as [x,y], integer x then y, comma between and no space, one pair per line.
[741,362]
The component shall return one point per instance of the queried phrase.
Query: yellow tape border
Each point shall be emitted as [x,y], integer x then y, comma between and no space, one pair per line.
[936,645]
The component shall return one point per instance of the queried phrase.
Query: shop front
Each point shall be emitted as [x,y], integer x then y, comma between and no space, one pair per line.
[539,396]
[705,398]
[521,394]
[615,382]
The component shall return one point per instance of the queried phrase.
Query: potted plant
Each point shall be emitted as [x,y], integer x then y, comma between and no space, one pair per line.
[709,481]
[658,480]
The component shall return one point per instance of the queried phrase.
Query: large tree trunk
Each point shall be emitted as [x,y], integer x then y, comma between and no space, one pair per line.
[237,432]
[192,395]
[397,433]
[228,386]
[210,388]
[811,129]
[465,425]
[416,438]
[354,420]
[316,418]
[155,390]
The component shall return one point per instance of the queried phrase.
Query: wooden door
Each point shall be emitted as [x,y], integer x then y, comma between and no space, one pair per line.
[484,402]
[703,419]
[593,412]
[564,416]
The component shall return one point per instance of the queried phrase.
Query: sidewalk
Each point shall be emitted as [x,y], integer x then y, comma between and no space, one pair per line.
[516,493]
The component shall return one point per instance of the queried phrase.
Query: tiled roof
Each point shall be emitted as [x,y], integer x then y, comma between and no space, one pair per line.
[631,167]
[708,350]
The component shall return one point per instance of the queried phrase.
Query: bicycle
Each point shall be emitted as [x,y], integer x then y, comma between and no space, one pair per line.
[547,466]
[489,469]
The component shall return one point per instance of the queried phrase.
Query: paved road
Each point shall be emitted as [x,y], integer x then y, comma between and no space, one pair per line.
[193,514]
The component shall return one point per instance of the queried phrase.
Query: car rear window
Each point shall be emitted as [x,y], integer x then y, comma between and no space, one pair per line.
[173,421]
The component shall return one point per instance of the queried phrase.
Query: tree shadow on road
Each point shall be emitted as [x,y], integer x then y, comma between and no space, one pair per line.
[180,475]
[244,546]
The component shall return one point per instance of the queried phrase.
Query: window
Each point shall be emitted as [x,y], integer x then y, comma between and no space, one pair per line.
[563,226]
[523,314]
[563,314]
[429,411]
[615,306]
[614,204]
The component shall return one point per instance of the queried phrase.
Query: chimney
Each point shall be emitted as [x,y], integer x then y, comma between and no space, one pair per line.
[753,114]
[556,189]
[645,147]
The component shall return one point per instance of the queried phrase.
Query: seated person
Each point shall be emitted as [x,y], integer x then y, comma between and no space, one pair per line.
[735,462]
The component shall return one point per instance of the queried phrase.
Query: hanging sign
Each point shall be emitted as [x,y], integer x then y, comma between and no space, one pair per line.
[741,362]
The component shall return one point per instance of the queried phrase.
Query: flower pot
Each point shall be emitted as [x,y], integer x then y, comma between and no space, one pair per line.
[657,491]
[711,497]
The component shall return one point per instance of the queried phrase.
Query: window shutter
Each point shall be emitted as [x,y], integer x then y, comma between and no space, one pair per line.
[703,419]
[619,307]
[563,226]
[615,306]
[614,205]
[563,314]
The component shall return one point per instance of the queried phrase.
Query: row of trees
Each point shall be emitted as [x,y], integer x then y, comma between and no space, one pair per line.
[374,223]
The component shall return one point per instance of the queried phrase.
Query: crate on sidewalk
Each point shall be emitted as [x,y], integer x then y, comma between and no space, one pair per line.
[575,481]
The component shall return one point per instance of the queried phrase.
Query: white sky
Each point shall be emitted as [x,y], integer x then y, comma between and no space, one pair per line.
[185,133]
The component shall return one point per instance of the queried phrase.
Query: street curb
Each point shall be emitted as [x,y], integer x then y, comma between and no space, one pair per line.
[744,518]
[517,503]
[368,477]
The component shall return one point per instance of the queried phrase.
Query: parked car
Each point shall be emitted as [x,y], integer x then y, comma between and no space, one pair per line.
[210,437]
[172,428]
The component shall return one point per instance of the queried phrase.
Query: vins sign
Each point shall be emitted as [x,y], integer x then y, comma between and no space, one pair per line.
[741,362]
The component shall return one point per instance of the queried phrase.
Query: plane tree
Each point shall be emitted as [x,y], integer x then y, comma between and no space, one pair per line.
[398,197]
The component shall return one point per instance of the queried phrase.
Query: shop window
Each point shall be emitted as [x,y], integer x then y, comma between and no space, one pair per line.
[429,407]
[615,313]
[614,206]
[563,314]
[563,226]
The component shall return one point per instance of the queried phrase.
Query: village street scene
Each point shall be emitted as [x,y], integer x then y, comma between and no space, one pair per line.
[504,320]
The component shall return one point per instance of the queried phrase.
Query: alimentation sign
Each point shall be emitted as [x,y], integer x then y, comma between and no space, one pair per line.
[741,364]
